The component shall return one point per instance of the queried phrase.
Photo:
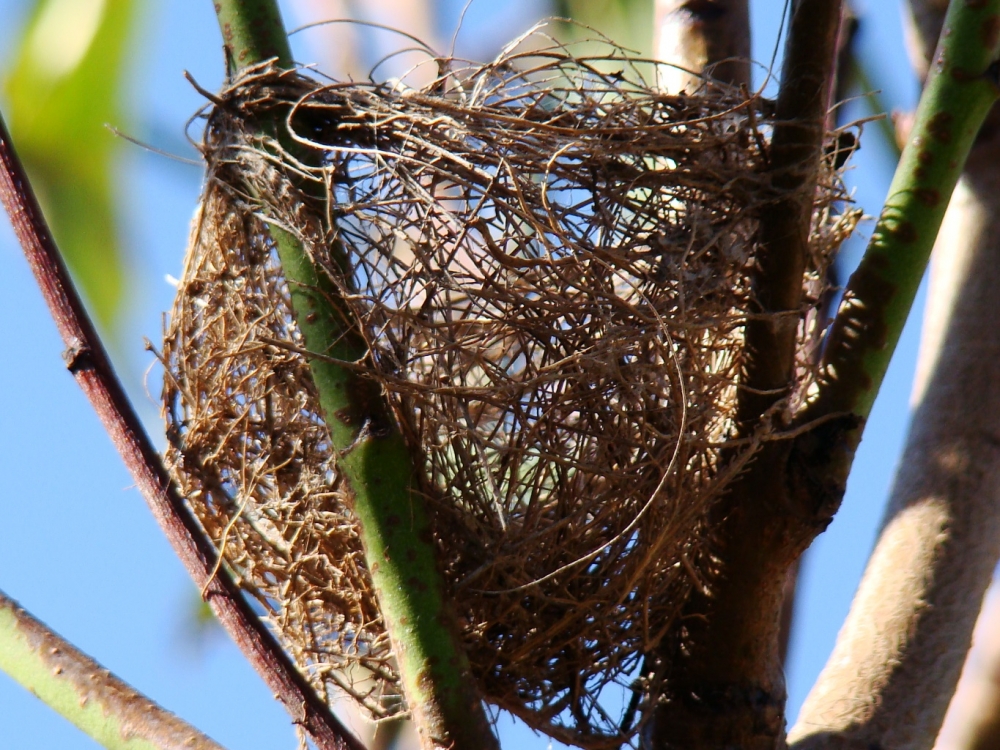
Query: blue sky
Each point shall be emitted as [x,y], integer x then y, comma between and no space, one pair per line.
[78,547]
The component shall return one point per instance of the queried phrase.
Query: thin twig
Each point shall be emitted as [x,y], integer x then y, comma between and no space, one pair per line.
[88,361]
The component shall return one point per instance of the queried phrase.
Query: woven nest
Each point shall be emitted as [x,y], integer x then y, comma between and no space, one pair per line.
[551,266]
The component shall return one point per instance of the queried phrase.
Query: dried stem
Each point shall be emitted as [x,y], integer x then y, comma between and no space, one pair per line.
[374,460]
[88,361]
[106,708]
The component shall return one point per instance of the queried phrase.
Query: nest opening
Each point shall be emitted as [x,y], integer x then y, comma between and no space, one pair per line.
[551,266]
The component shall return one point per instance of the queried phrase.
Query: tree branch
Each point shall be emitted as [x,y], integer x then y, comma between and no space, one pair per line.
[87,360]
[252,31]
[725,671]
[698,38]
[973,718]
[725,684]
[959,94]
[796,149]
[375,462]
[901,649]
[900,652]
[846,63]
[104,707]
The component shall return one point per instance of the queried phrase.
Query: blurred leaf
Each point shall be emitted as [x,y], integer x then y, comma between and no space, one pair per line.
[626,22]
[200,627]
[66,84]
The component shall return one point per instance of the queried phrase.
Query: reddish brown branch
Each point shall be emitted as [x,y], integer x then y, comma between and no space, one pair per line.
[796,150]
[725,680]
[88,361]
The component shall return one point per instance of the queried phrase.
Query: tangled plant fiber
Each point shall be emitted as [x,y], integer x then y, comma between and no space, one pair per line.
[551,267]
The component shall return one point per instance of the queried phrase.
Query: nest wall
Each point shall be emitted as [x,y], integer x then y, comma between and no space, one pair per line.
[551,266]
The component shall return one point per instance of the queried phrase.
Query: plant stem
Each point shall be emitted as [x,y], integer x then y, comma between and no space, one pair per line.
[395,531]
[376,464]
[89,364]
[107,709]
[252,31]
[940,534]
[699,39]
[785,222]
[960,91]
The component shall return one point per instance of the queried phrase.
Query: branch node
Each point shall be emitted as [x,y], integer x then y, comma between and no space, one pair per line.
[79,358]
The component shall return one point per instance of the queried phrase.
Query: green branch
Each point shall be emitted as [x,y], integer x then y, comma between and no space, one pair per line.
[375,462]
[71,683]
[88,362]
[960,91]
[252,31]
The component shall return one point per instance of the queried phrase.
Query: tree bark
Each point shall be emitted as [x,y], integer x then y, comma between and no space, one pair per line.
[973,718]
[725,685]
[900,652]
[88,362]
[109,710]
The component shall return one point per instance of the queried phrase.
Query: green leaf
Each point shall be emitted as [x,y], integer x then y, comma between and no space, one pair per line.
[65,86]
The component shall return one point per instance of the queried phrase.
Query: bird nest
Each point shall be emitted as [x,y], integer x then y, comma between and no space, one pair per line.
[551,267]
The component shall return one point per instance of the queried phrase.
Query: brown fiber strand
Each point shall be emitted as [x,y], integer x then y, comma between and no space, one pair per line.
[551,265]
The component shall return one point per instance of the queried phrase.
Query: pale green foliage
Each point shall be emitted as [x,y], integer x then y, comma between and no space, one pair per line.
[65,87]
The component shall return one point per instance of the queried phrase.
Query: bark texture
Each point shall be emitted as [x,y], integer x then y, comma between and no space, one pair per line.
[110,711]
[88,362]
[725,682]
[900,652]
[973,718]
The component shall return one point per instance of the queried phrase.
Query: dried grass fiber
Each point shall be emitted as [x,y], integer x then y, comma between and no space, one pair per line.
[551,266]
